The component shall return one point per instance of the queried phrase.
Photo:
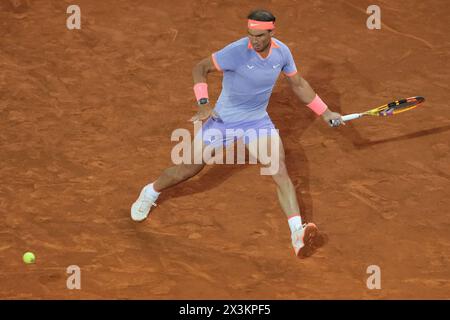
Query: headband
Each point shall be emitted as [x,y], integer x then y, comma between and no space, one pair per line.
[261,25]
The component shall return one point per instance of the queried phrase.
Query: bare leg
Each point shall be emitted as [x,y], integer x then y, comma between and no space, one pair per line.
[178,173]
[286,192]
[307,239]
[285,188]
[175,175]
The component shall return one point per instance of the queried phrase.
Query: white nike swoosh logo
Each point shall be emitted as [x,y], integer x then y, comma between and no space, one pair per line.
[253,24]
[276,66]
[250,67]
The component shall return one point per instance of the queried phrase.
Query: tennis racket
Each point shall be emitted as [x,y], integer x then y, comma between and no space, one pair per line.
[389,109]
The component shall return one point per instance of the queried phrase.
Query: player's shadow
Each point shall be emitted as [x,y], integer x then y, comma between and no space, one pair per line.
[321,81]
[212,176]
[403,137]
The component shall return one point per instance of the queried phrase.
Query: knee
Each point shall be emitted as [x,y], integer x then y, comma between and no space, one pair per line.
[277,170]
[281,176]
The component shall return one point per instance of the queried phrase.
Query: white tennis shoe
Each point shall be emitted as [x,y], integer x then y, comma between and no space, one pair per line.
[141,208]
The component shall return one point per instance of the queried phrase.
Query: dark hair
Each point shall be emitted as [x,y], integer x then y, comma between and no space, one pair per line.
[261,15]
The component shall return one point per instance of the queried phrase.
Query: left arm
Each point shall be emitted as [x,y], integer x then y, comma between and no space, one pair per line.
[306,94]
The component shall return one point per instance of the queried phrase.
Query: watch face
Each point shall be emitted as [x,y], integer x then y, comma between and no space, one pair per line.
[203,101]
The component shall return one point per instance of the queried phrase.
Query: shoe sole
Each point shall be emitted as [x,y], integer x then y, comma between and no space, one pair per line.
[135,207]
[310,240]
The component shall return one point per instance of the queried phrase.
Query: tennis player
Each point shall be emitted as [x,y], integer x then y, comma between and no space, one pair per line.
[250,68]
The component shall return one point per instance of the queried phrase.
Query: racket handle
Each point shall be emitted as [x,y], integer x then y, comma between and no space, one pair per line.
[347,117]
[352,116]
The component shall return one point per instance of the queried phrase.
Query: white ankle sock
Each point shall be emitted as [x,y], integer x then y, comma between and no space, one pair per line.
[150,191]
[295,222]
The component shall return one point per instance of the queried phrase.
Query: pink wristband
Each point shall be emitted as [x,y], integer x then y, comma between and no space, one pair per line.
[201,90]
[317,105]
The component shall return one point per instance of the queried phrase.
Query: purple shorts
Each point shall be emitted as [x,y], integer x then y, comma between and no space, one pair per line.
[216,133]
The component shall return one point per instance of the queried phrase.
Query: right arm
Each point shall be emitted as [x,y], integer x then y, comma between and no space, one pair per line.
[199,73]
[201,70]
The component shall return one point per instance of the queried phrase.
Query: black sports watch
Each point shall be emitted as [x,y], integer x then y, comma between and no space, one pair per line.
[203,101]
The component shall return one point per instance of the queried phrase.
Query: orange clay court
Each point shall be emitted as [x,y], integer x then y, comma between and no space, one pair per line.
[85,121]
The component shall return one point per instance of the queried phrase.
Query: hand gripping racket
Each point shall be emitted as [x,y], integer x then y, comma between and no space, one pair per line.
[389,109]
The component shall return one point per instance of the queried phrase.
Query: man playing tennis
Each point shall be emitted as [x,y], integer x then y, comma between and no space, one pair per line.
[250,69]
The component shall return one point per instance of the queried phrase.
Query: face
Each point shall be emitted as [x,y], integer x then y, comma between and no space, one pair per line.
[260,39]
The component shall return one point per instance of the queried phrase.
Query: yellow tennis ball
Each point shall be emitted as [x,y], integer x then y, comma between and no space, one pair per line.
[28,257]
